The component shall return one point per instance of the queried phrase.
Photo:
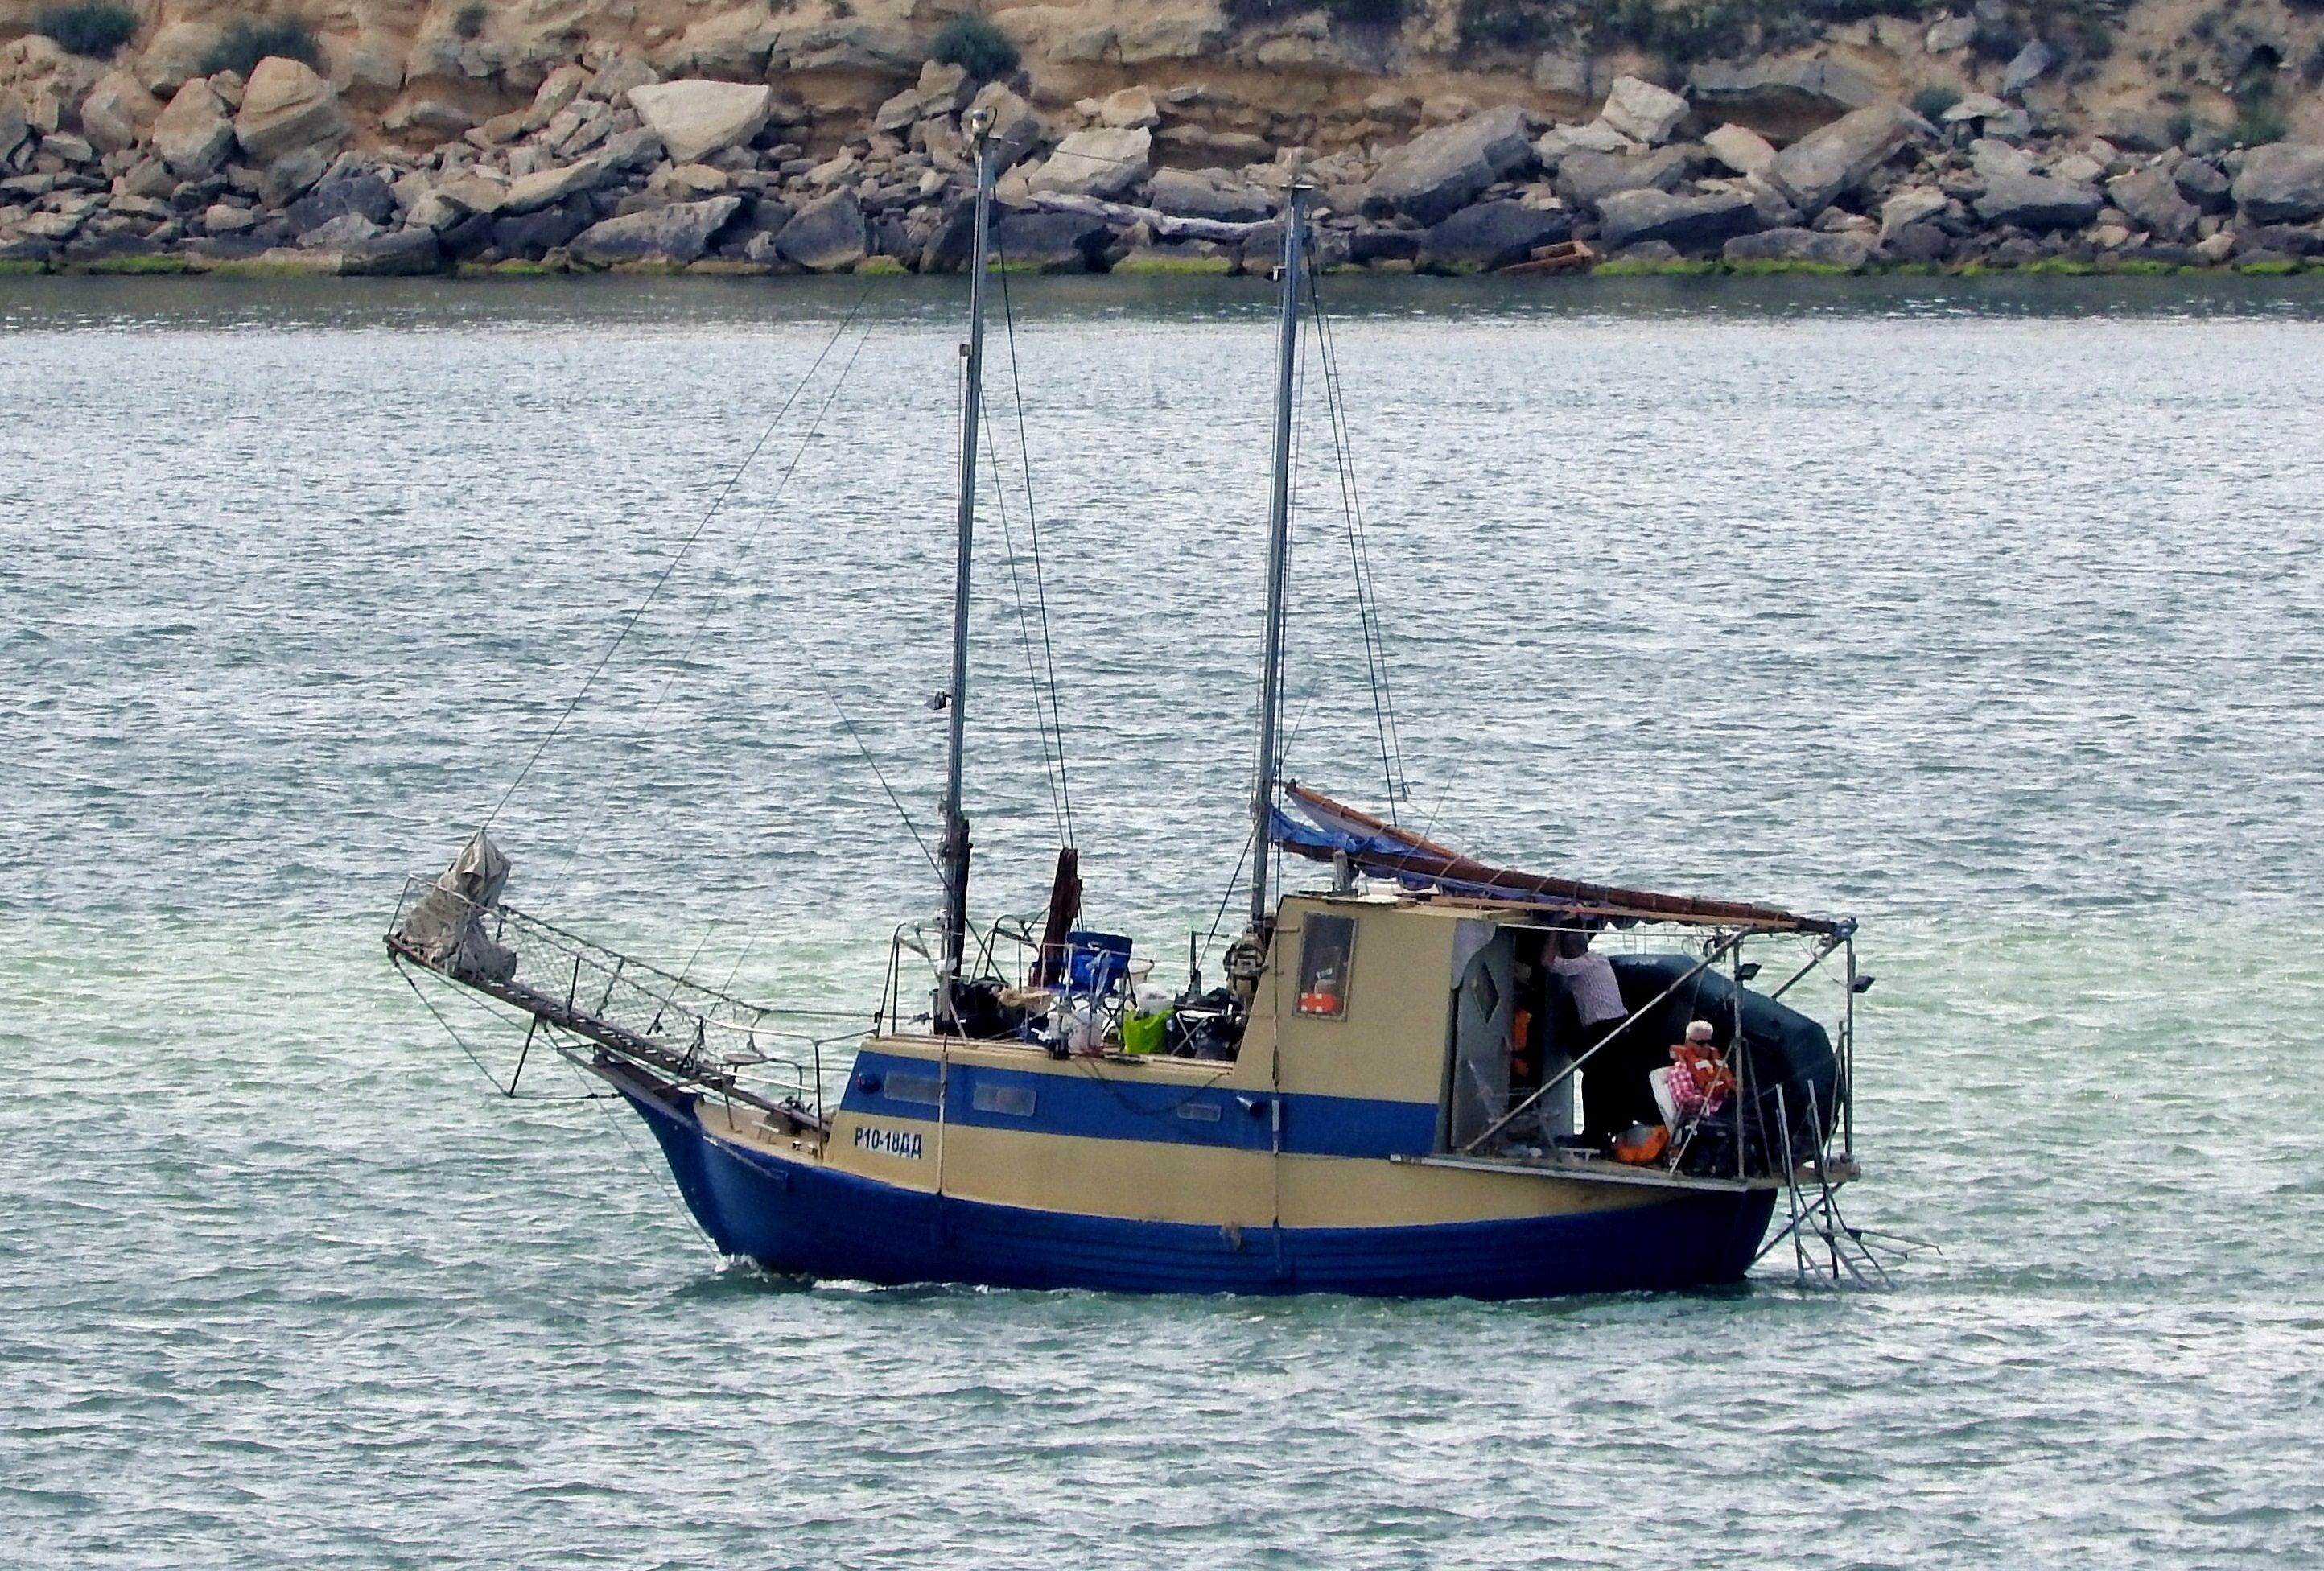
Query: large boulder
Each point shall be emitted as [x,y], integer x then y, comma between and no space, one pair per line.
[1834,159]
[2026,66]
[1210,193]
[1702,222]
[366,194]
[1491,234]
[2032,202]
[1983,115]
[177,55]
[1102,161]
[287,108]
[675,234]
[1992,159]
[1741,149]
[118,112]
[2201,183]
[2138,130]
[1796,246]
[1051,242]
[1438,172]
[1642,111]
[1129,108]
[1016,129]
[532,234]
[945,89]
[1918,244]
[438,116]
[1913,205]
[2280,239]
[334,234]
[1370,245]
[395,254]
[1595,137]
[192,133]
[2281,182]
[557,89]
[1584,180]
[285,179]
[950,239]
[548,186]
[827,234]
[1950,33]
[697,119]
[1787,96]
[2151,198]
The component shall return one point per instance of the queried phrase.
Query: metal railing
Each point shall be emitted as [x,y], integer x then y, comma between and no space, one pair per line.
[657,1019]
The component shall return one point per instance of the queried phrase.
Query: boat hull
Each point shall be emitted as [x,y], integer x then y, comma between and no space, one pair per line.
[804,1218]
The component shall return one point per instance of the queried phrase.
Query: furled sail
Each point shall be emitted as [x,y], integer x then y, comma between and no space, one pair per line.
[1333,829]
[446,928]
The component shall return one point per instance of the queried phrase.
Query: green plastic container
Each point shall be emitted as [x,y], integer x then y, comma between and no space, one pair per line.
[1143,1033]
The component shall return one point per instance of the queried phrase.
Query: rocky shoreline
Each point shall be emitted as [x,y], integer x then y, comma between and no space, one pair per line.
[611,168]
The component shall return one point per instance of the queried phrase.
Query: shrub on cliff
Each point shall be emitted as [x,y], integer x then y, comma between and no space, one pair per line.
[1930,102]
[246,44]
[976,46]
[94,30]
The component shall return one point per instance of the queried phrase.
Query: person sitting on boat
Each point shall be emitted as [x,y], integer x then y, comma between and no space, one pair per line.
[1698,1082]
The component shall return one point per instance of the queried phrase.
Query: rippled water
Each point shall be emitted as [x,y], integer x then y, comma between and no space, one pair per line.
[1988,613]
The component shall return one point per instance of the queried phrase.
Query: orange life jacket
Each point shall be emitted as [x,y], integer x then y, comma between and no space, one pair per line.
[1641,1144]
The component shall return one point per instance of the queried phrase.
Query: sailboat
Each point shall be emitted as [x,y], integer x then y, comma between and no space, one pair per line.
[1401,1087]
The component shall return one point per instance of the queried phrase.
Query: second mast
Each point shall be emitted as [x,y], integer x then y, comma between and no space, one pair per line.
[955,849]
[1278,545]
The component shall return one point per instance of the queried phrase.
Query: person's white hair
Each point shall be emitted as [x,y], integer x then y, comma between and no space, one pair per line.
[1699,1030]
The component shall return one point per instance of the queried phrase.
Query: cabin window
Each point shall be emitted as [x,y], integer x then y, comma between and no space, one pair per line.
[903,1086]
[1016,1101]
[1327,949]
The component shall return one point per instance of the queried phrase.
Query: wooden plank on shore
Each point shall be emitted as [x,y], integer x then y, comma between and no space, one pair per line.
[1564,257]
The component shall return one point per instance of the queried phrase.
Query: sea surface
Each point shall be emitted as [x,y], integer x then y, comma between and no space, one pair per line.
[1989,613]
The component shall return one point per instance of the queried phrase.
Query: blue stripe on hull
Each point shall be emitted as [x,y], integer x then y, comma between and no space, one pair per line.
[1093,1109]
[805,1219]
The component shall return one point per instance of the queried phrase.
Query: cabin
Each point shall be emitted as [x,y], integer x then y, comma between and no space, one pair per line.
[1390,1025]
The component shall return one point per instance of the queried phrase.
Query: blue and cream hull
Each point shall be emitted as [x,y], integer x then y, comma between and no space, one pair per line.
[1070,1176]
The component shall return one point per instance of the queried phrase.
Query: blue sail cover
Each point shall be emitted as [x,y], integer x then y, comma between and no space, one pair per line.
[1326,828]
[1386,853]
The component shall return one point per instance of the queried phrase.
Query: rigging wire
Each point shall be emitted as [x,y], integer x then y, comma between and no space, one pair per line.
[1051,766]
[1033,519]
[631,623]
[1360,559]
[730,574]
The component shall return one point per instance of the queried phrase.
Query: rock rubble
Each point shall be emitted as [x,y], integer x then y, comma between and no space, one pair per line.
[150,165]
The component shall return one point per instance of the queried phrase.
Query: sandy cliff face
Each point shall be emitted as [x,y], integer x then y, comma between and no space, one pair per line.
[1230,83]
